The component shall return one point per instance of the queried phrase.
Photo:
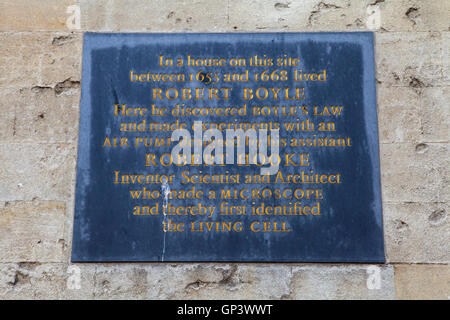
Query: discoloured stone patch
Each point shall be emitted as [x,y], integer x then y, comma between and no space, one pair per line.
[409,59]
[415,174]
[408,115]
[422,281]
[39,60]
[37,171]
[217,281]
[156,16]
[339,282]
[25,15]
[39,115]
[31,231]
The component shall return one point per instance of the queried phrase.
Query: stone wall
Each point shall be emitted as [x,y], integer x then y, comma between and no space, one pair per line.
[40,74]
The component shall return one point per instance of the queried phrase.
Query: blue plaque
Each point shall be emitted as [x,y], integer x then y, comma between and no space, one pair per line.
[309,192]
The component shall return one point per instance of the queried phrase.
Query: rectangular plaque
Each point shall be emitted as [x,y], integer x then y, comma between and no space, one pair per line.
[161,175]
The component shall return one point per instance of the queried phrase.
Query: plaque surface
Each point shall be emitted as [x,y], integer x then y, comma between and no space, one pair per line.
[311,95]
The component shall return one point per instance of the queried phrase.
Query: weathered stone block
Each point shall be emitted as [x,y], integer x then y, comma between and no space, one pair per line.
[435,114]
[422,282]
[31,280]
[121,281]
[170,281]
[342,282]
[339,15]
[40,114]
[269,16]
[414,15]
[42,171]
[218,281]
[398,110]
[31,231]
[41,59]
[310,15]
[415,172]
[156,16]
[446,56]
[417,232]
[409,59]
[410,115]
[24,15]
